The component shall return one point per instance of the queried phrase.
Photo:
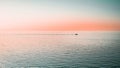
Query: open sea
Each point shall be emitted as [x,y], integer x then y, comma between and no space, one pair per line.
[88,49]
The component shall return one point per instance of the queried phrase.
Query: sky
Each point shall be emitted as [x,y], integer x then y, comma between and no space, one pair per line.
[59,15]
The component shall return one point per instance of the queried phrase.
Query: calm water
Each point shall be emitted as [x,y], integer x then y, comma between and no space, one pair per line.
[60,50]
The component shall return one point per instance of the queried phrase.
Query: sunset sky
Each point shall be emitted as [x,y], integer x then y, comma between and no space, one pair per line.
[59,15]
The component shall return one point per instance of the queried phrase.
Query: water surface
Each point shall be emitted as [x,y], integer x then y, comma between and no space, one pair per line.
[60,50]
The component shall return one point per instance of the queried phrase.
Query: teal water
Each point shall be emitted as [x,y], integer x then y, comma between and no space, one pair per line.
[64,50]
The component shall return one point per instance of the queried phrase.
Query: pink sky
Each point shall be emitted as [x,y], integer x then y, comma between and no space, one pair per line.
[71,25]
[58,16]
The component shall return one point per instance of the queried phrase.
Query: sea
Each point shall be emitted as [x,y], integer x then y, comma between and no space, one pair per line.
[60,49]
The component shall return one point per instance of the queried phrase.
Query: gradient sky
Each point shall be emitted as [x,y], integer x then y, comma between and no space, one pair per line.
[59,15]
